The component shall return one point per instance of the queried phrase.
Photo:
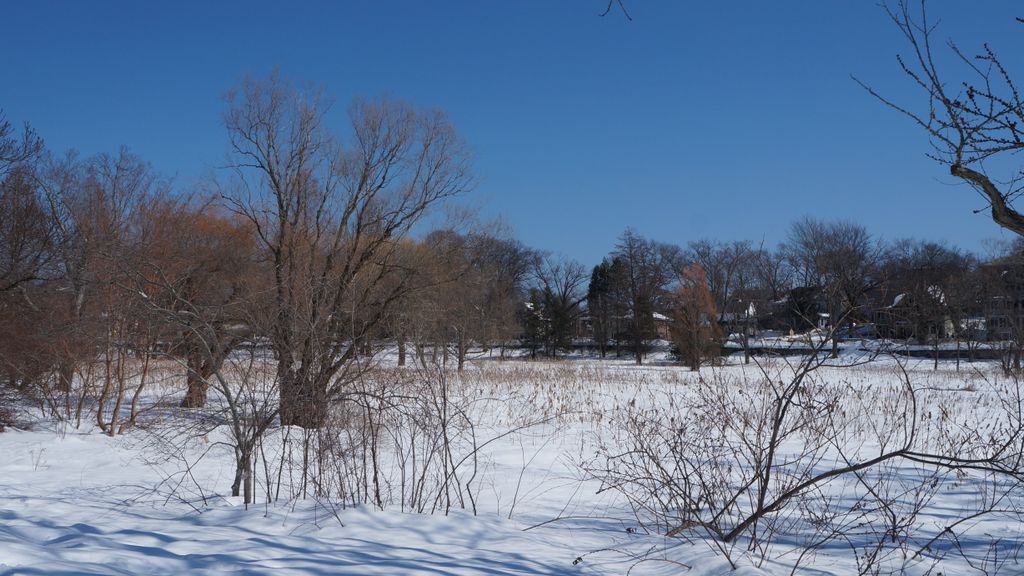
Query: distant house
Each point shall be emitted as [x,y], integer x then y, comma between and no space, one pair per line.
[802,309]
[662,326]
[619,326]
[740,317]
[922,317]
[1003,300]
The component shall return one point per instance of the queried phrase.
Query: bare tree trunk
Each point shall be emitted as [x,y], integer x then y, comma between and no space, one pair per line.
[121,377]
[461,344]
[198,369]
[421,355]
[65,375]
[66,369]
[242,486]
[108,375]
[303,400]
[746,345]
[133,411]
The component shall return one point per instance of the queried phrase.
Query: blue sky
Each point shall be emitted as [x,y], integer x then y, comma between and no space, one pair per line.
[724,120]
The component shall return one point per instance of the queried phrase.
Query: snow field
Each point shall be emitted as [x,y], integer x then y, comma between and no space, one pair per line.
[155,500]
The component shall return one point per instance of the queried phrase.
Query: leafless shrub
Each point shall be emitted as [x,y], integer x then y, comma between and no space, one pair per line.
[409,438]
[240,412]
[790,460]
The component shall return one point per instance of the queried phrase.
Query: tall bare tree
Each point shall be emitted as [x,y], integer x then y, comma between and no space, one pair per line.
[328,215]
[26,237]
[558,284]
[26,249]
[649,269]
[506,265]
[841,259]
[25,233]
[772,273]
[92,204]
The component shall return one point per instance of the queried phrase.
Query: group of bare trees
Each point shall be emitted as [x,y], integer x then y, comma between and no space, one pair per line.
[629,290]
[556,304]
[480,291]
[305,247]
[72,229]
[258,297]
[262,296]
[826,275]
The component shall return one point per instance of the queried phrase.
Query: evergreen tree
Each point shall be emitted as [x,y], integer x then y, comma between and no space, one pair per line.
[599,304]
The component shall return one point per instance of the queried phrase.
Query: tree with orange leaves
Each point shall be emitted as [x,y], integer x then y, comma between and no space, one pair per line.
[694,328]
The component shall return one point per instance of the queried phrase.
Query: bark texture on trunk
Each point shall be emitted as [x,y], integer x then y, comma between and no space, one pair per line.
[303,400]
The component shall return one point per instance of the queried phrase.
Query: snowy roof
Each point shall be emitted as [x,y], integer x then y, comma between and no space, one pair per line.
[937,293]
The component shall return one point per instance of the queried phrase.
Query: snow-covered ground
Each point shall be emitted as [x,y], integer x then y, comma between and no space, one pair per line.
[74,501]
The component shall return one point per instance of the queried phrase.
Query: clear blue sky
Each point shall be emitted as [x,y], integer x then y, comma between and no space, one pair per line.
[696,119]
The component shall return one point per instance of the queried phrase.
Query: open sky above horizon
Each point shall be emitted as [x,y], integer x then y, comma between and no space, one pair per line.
[723,120]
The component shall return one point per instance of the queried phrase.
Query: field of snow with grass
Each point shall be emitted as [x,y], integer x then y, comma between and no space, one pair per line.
[542,486]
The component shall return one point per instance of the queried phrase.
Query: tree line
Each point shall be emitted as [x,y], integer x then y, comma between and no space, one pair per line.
[831,276]
[306,247]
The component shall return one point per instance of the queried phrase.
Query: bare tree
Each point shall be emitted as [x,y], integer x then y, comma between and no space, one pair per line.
[26,236]
[1000,283]
[26,248]
[841,259]
[506,264]
[559,290]
[246,387]
[723,265]
[17,148]
[328,217]
[481,288]
[921,276]
[971,110]
[417,317]
[648,271]
[455,312]
[92,206]
[772,273]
